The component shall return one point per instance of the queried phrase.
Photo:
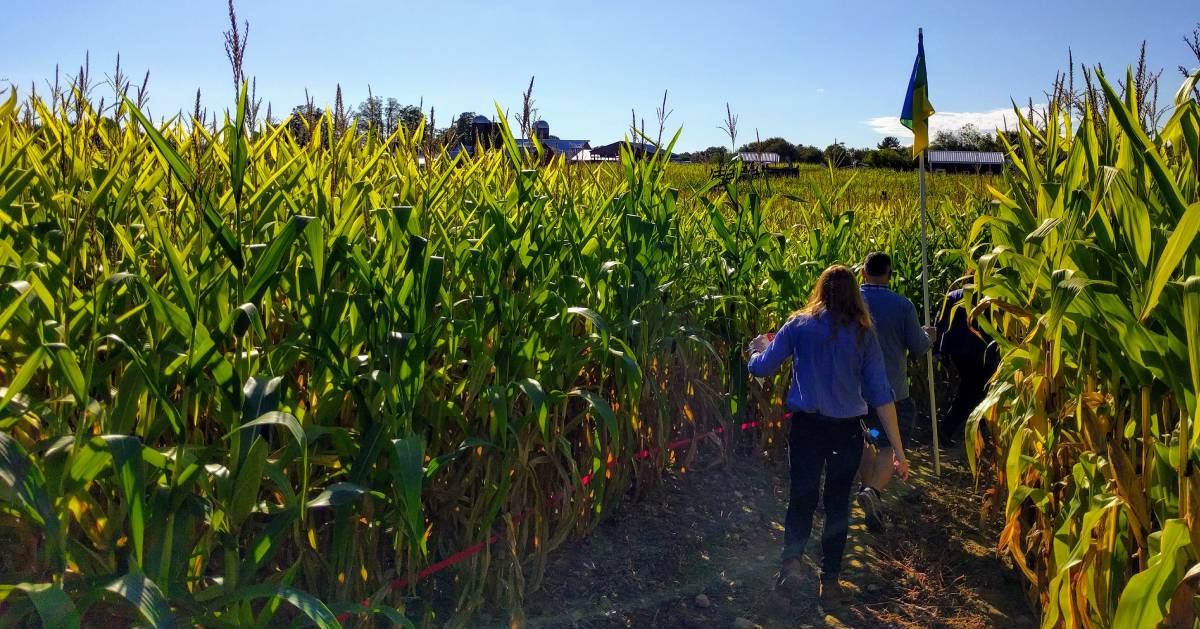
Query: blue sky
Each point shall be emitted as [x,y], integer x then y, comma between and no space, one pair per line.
[810,72]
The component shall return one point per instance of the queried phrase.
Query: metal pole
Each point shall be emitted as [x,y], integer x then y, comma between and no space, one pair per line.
[937,456]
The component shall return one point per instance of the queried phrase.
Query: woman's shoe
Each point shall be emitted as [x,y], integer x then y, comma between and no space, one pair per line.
[870,502]
[832,594]
[791,574]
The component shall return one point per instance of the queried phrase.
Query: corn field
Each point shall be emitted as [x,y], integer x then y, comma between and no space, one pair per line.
[248,381]
[1087,272]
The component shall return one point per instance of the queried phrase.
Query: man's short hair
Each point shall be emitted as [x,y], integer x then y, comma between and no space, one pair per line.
[878,264]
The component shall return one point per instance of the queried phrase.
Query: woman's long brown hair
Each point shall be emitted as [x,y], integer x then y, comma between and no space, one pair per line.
[836,295]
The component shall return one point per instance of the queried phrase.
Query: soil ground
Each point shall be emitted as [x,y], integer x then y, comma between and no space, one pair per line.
[718,532]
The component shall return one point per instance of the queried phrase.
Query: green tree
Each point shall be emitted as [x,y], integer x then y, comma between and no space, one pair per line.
[369,116]
[712,154]
[889,158]
[966,138]
[396,115]
[837,154]
[809,154]
[303,122]
[459,131]
[890,142]
[384,117]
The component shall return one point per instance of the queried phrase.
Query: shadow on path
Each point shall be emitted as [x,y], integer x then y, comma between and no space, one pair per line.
[717,533]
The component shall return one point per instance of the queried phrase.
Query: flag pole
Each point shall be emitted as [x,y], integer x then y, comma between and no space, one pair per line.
[937,457]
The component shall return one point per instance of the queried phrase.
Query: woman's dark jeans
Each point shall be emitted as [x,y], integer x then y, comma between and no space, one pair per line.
[818,443]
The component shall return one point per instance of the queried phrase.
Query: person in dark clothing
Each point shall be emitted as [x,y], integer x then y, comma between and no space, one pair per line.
[837,372]
[967,348]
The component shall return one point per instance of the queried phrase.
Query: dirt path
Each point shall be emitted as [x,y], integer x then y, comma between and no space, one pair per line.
[718,532]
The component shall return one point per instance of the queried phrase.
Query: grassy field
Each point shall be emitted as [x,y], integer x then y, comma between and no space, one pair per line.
[249,381]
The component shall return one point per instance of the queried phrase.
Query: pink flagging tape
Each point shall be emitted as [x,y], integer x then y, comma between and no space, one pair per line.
[475,549]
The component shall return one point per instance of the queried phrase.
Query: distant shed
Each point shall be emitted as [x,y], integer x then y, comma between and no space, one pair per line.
[612,151]
[965,161]
[763,159]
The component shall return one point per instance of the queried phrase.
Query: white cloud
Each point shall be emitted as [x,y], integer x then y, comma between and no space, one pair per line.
[986,121]
[820,90]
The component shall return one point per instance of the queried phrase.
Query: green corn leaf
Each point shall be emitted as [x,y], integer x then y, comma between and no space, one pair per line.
[338,494]
[238,152]
[143,594]
[20,288]
[15,189]
[537,397]
[1182,238]
[408,476]
[52,604]
[260,395]
[272,259]
[277,418]
[1184,94]
[87,462]
[309,605]
[68,369]
[1191,322]
[152,382]
[126,452]
[1189,217]
[179,277]
[186,178]
[244,317]
[179,167]
[272,537]
[437,463]
[248,482]
[10,103]
[25,480]
[603,409]
[1143,602]
[24,375]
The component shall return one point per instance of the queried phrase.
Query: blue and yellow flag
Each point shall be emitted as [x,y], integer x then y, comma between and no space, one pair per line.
[917,108]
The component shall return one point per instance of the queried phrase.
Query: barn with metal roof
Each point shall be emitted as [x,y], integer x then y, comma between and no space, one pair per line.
[486,134]
[612,151]
[572,149]
[759,158]
[965,161]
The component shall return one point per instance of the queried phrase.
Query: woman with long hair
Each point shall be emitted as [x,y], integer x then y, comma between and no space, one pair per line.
[837,371]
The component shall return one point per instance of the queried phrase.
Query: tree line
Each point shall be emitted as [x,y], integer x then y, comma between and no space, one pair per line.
[380,116]
[383,116]
[888,153]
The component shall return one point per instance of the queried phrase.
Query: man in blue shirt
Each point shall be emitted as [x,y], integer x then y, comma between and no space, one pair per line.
[900,336]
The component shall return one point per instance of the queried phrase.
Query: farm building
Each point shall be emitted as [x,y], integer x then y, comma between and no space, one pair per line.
[762,159]
[574,150]
[487,134]
[613,151]
[965,161]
